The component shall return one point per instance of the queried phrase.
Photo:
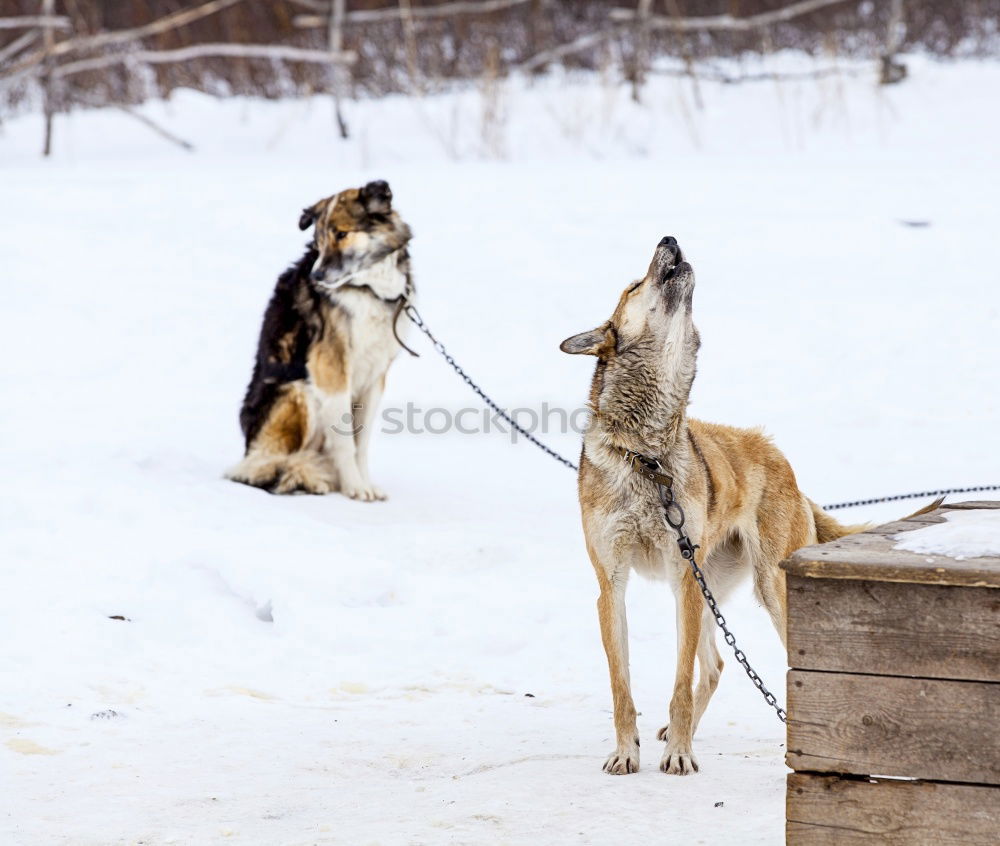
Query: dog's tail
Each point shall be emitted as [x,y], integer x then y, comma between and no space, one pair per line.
[828,529]
[305,470]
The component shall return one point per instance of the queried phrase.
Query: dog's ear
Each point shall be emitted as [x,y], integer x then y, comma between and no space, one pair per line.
[377,197]
[309,215]
[599,341]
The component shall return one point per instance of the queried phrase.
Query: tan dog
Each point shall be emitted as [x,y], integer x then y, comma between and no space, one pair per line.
[328,338]
[737,490]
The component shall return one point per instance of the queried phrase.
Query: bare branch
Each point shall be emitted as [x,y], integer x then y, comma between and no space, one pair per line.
[143,119]
[17,45]
[335,44]
[159,130]
[103,39]
[584,42]
[713,75]
[164,24]
[26,21]
[728,22]
[198,51]
[444,10]
[48,109]
[410,39]
[315,5]
[641,57]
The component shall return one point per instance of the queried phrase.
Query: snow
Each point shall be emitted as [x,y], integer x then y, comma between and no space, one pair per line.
[314,670]
[966,534]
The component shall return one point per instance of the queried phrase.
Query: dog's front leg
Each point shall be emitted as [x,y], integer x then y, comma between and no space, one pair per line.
[364,424]
[678,759]
[337,419]
[614,634]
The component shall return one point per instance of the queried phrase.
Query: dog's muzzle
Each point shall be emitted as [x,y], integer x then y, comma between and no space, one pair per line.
[669,256]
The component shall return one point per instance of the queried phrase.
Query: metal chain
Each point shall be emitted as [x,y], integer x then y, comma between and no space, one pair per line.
[920,495]
[411,312]
[687,549]
[414,315]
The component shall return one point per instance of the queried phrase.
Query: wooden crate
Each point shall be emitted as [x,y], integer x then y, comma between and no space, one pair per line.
[894,693]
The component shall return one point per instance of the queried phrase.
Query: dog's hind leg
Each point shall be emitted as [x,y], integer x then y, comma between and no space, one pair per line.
[614,634]
[278,459]
[678,759]
[766,554]
[769,586]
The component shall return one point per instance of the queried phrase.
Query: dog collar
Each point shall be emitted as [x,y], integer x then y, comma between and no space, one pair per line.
[644,466]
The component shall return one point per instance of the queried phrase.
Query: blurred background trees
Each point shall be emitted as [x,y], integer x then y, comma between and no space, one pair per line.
[423,45]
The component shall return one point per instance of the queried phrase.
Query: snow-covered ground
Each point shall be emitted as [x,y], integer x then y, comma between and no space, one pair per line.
[428,670]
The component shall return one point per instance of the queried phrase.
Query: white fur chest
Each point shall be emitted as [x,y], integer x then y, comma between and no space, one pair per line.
[629,524]
[372,344]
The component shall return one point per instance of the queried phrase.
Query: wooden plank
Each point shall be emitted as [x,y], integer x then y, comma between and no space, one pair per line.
[929,631]
[971,505]
[880,725]
[833,811]
[871,556]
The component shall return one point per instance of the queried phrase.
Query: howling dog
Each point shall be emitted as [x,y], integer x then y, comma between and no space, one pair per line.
[328,338]
[737,490]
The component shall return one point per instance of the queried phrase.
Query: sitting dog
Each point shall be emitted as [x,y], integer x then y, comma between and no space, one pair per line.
[737,490]
[328,338]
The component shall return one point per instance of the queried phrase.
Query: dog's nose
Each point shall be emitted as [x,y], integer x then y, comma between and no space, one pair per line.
[317,275]
[668,241]
[378,189]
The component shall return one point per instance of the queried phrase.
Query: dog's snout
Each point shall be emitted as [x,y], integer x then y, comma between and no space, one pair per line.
[378,191]
[317,275]
[668,241]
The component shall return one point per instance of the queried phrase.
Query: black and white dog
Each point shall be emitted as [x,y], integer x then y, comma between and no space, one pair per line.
[328,338]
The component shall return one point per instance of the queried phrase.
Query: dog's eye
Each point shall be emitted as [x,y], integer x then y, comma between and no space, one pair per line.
[341,234]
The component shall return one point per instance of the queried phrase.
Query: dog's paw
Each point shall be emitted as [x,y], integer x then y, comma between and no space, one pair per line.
[623,761]
[302,480]
[363,492]
[678,762]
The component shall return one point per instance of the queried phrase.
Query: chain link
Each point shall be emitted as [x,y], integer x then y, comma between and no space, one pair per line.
[412,313]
